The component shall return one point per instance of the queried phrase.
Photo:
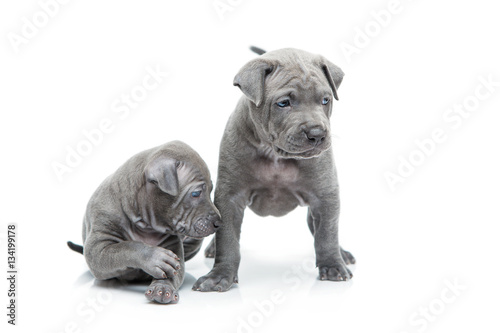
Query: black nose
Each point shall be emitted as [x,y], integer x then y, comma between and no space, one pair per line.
[215,219]
[315,135]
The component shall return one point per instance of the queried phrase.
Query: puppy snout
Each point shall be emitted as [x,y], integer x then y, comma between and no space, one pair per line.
[315,135]
[215,220]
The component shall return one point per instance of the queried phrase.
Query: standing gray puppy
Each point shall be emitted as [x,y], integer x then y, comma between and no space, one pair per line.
[149,217]
[276,155]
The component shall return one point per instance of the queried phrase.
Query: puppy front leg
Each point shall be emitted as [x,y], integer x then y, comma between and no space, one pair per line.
[227,247]
[167,290]
[324,217]
[108,258]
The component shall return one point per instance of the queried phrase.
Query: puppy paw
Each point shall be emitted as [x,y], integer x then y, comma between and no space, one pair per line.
[162,291]
[216,280]
[348,257]
[161,263]
[336,272]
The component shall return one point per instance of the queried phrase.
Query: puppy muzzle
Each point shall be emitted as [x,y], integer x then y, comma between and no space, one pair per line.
[207,225]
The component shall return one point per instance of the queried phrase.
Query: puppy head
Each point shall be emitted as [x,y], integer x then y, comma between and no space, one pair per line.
[178,185]
[291,93]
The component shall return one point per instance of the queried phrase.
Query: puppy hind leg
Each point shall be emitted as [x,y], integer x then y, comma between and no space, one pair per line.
[162,291]
[210,249]
[191,247]
[348,257]
[310,221]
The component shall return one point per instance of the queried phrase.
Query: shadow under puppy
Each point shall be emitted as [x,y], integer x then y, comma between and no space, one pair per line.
[148,218]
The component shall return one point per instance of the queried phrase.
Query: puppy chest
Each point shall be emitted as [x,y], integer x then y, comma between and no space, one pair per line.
[146,235]
[275,188]
[279,173]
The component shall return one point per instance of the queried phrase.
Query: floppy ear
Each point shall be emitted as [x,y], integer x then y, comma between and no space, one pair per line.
[333,74]
[163,173]
[250,79]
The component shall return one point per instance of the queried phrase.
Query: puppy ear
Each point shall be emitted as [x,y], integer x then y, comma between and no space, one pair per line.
[333,74]
[163,173]
[250,79]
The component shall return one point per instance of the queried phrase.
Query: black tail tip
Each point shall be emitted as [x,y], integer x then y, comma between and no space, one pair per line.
[257,50]
[75,247]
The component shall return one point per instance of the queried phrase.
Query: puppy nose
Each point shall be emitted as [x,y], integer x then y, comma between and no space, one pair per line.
[315,135]
[215,219]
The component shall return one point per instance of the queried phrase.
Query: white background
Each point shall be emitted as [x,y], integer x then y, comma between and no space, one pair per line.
[439,225]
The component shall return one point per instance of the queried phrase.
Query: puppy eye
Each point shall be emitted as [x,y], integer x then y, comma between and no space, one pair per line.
[325,101]
[284,103]
[196,194]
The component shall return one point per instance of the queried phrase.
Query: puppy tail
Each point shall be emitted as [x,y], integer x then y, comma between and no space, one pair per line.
[75,247]
[257,50]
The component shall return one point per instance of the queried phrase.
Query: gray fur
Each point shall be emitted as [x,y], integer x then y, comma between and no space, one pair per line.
[142,222]
[273,159]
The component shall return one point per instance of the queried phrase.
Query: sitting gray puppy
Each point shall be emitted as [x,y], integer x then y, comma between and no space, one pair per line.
[148,218]
[276,155]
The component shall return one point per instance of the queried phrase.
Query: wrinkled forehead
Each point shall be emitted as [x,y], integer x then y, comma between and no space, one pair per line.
[297,77]
[190,178]
[190,174]
[191,166]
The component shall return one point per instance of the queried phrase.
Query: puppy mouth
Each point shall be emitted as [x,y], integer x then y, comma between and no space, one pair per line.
[203,228]
[200,229]
[307,153]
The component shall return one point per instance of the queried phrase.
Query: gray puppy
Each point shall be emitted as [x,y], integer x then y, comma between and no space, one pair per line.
[276,155]
[149,217]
